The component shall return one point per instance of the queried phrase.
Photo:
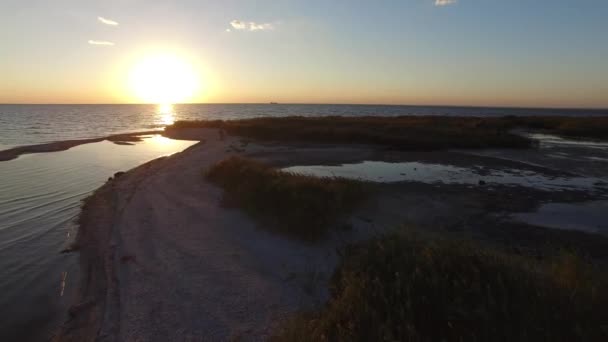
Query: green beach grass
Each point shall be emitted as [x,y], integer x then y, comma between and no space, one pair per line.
[303,207]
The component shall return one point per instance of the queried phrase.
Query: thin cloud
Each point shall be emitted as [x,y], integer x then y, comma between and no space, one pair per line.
[238,25]
[260,27]
[101,42]
[250,26]
[444,2]
[107,21]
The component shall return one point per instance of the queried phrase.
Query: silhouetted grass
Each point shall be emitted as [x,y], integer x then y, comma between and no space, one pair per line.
[299,206]
[411,288]
[410,132]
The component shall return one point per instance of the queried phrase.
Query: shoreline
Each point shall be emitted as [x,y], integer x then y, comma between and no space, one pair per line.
[96,289]
[56,146]
[134,274]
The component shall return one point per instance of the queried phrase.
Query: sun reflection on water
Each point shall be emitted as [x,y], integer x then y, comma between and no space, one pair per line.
[166,114]
[164,145]
[160,141]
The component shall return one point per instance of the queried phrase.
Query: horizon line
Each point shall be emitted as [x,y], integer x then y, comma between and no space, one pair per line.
[315,103]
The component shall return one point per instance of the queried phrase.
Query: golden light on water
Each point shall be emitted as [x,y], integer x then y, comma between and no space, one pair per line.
[166,114]
[163,79]
[161,142]
[165,108]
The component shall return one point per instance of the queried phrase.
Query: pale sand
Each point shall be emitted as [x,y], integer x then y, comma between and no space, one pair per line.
[163,260]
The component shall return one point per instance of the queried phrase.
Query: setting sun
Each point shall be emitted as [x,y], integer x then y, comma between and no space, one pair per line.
[163,78]
[432,170]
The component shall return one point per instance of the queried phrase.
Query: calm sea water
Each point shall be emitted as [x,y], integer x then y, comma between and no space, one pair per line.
[33,124]
[40,194]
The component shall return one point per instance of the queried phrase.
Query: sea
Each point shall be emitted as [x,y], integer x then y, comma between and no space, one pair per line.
[41,194]
[34,124]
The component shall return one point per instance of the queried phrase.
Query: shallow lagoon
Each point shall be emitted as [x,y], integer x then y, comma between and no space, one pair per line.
[379,171]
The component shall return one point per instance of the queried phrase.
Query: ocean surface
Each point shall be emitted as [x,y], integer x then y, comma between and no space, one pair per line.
[40,194]
[34,124]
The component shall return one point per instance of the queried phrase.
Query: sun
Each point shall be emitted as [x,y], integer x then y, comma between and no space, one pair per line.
[163,79]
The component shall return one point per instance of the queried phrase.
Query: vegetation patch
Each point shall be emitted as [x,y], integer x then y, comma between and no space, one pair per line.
[408,133]
[407,287]
[300,206]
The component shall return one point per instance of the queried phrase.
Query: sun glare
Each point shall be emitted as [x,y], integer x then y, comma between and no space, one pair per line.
[166,114]
[163,79]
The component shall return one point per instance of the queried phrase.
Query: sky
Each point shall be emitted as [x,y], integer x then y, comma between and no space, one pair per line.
[541,53]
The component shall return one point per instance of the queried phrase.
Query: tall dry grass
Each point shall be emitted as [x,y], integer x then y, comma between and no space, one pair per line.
[407,287]
[300,206]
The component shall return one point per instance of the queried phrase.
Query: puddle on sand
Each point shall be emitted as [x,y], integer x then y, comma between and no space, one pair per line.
[590,217]
[377,171]
[585,158]
[548,140]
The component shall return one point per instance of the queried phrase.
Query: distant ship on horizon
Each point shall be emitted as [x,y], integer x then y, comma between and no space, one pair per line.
[274,102]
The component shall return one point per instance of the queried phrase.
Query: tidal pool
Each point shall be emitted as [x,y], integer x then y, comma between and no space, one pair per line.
[378,171]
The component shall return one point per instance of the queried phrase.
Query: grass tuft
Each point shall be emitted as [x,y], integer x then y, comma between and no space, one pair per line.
[411,288]
[300,206]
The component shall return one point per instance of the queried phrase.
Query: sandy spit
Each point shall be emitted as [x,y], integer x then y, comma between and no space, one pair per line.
[163,260]
[63,145]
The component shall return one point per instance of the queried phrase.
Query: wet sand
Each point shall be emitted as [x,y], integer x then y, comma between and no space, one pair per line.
[162,259]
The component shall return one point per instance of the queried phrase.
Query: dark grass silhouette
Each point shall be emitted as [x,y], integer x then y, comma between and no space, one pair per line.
[408,287]
[409,133]
[299,206]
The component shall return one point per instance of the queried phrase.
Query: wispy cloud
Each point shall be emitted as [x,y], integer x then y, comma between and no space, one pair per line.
[101,42]
[250,26]
[107,21]
[260,27]
[238,25]
[444,2]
